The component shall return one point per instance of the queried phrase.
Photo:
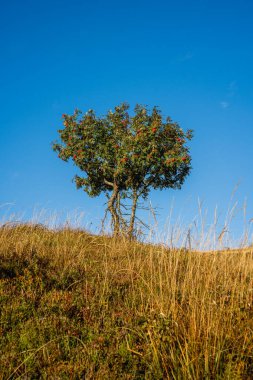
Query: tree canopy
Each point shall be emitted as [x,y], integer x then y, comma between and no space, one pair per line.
[125,156]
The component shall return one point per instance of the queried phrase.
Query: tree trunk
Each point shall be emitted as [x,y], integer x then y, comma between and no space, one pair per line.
[133,213]
[112,209]
[122,221]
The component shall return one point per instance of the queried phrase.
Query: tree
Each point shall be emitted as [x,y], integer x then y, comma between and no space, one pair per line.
[125,157]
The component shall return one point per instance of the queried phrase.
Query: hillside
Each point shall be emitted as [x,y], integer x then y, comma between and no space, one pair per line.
[78,306]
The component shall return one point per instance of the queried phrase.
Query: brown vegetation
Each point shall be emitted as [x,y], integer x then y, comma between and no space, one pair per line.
[78,306]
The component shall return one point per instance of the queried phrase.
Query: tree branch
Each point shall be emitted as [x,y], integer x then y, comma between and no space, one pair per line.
[108,183]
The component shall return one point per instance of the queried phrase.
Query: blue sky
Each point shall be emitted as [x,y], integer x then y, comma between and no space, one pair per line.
[193,59]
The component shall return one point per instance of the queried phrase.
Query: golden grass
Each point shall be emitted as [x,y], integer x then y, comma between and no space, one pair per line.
[76,305]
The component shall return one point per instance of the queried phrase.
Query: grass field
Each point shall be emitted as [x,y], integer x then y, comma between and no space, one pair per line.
[79,306]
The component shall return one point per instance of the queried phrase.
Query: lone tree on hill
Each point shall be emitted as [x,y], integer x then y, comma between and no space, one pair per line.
[125,156]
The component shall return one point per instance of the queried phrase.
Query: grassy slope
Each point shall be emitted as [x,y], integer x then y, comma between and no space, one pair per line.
[77,306]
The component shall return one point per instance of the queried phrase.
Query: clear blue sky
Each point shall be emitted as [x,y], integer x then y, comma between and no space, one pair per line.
[194,59]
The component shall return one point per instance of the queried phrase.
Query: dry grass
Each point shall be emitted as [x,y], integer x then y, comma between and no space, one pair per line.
[78,306]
